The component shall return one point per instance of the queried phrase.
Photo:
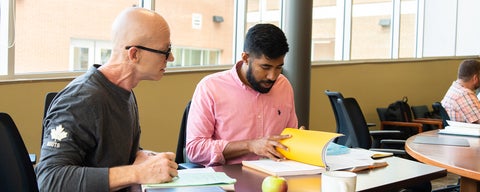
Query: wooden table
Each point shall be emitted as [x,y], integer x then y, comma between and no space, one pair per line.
[463,161]
[399,173]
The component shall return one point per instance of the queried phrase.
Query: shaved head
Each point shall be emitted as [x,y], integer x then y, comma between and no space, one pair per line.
[135,32]
[138,26]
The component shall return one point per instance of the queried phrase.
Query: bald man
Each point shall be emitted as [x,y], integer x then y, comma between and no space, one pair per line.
[92,132]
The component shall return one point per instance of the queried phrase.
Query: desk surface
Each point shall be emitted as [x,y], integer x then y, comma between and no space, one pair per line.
[463,161]
[399,174]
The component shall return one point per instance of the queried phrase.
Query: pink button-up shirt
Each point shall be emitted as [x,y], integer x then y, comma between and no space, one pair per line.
[461,104]
[223,109]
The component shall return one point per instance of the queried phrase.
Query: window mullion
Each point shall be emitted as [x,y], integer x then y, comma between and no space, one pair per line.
[395,30]
[7,39]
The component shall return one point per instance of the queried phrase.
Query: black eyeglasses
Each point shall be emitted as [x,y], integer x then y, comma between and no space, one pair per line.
[166,53]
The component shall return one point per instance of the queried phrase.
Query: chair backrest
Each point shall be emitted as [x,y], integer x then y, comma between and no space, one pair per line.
[437,106]
[181,156]
[16,169]
[333,96]
[419,111]
[48,100]
[356,123]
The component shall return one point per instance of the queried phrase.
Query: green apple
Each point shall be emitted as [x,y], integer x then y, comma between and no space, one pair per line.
[274,184]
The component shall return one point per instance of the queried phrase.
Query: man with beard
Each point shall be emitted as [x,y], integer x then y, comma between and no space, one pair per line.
[239,114]
[460,101]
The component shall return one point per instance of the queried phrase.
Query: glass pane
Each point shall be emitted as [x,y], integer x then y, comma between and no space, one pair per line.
[196,57]
[80,57]
[323,29]
[199,25]
[105,55]
[178,53]
[371,29]
[439,28]
[44,29]
[468,30]
[263,11]
[407,28]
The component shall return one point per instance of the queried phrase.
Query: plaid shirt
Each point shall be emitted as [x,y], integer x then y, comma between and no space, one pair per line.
[461,104]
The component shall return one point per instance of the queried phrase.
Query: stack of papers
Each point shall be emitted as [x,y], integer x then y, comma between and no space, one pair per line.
[460,128]
[196,177]
[441,141]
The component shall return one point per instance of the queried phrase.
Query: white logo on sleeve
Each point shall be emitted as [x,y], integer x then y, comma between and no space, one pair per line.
[57,135]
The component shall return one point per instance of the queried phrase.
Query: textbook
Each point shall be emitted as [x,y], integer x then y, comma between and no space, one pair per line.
[283,168]
[305,155]
[312,152]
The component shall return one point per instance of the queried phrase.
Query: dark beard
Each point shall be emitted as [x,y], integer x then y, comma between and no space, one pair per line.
[256,85]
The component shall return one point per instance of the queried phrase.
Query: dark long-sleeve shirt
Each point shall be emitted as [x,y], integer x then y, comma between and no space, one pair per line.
[90,126]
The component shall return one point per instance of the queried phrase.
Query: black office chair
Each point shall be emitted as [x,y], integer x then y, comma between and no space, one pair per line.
[16,169]
[437,107]
[48,100]
[341,128]
[407,128]
[340,122]
[181,157]
[422,113]
[359,132]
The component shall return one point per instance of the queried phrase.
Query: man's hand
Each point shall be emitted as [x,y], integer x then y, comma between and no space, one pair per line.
[154,167]
[267,146]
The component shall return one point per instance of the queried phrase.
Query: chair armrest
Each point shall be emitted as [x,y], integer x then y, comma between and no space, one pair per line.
[189,165]
[436,122]
[418,126]
[385,133]
[379,135]
[393,141]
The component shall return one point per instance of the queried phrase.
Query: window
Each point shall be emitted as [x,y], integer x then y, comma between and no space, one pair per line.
[324,24]
[46,40]
[83,53]
[204,33]
[371,22]
[407,34]
[189,57]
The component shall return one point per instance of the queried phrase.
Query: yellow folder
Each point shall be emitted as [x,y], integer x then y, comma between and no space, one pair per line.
[307,146]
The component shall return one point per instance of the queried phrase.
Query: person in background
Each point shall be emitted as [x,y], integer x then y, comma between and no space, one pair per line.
[92,131]
[460,101]
[238,114]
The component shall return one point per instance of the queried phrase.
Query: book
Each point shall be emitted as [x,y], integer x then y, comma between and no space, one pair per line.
[283,168]
[461,128]
[196,177]
[305,155]
[357,159]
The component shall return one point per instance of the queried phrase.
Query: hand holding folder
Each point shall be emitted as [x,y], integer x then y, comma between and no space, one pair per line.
[307,154]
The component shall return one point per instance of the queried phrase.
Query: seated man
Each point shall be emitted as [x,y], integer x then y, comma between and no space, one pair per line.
[238,114]
[92,131]
[460,101]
